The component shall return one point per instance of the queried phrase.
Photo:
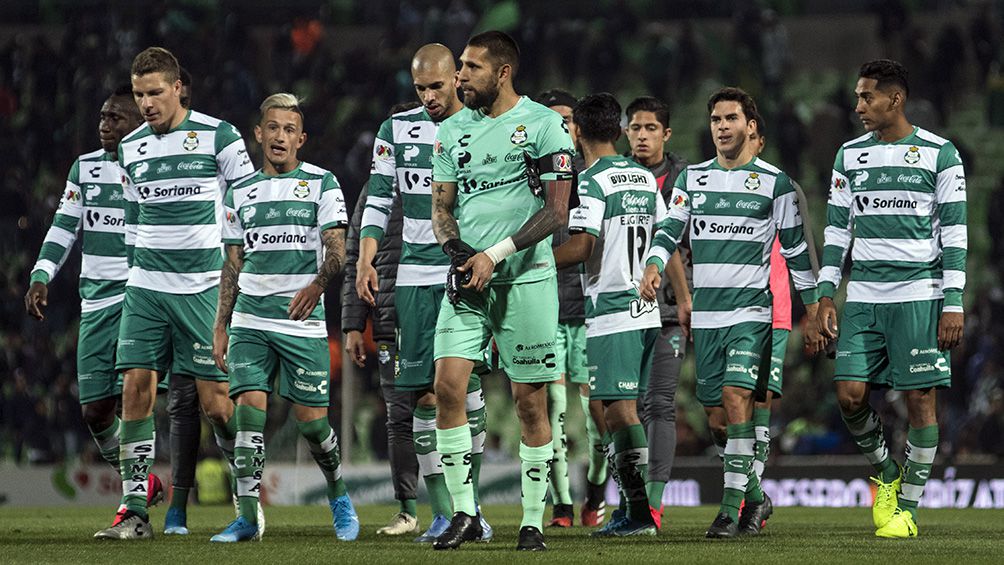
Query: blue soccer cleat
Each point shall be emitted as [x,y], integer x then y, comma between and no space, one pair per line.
[238,530]
[487,533]
[436,529]
[176,522]
[345,520]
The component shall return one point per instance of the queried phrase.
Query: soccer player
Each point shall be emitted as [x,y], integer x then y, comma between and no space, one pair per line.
[93,210]
[900,192]
[619,205]
[494,216]
[648,132]
[176,165]
[402,158]
[570,348]
[735,204]
[285,241]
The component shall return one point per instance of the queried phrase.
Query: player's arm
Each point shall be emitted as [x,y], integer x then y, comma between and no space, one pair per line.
[233,263]
[950,197]
[836,242]
[577,249]
[379,204]
[232,158]
[678,280]
[810,238]
[585,224]
[795,250]
[57,244]
[668,232]
[354,310]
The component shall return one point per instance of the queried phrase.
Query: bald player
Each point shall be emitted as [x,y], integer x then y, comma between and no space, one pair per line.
[402,160]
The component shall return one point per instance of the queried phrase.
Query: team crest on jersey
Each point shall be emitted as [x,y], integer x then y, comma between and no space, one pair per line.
[191,141]
[912,155]
[519,136]
[562,163]
[752,182]
[302,190]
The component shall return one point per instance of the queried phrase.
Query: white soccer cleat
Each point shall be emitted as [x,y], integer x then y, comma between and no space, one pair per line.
[402,523]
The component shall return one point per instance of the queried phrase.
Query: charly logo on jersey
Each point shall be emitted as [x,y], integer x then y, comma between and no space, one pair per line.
[752,181]
[912,155]
[302,189]
[519,136]
[191,141]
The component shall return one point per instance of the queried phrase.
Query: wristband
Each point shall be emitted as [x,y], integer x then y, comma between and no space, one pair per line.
[498,252]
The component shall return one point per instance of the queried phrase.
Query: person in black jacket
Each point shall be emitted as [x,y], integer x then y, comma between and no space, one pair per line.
[355,312]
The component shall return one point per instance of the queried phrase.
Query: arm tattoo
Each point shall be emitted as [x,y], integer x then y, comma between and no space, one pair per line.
[232,265]
[334,256]
[552,216]
[444,198]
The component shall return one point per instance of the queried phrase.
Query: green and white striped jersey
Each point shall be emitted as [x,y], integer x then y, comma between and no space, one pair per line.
[402,160]
[177,180]
[904,204]
[279,221]
[734,217]
[92,207]
[619,204]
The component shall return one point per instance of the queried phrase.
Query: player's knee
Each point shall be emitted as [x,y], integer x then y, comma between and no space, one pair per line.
[97,416]
[849,402]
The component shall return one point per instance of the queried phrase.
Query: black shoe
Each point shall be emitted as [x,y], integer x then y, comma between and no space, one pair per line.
[562,516]
[595,497]
[723,527]
[530,539]
[754,515]
[462,528]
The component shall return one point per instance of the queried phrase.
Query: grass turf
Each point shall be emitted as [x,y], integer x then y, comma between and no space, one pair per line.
[299,535]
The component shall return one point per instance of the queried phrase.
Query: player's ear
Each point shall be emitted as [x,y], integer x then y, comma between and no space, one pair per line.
[667,134]
[257,133]
[301,140]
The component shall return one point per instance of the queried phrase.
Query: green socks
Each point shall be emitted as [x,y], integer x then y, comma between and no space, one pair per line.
[739,470]
[866,430]
[535,468]
[423,426]
[410,507]
[136,454]
[108,443]
[249,458]
[557,403]
[654,490]
[477,419]
[179,497]
[324,448]
[455,451]
[631,463]
[761,429]
[921,447]
[225,435]
[597,472]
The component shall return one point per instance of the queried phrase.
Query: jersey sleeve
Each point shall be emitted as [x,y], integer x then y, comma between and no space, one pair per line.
[803,209]
[63,231]
[669,231]
[788,219]
[444,168]
[380,199]
[233,229]
[837,235]
[331,210]
[587,217]
[554,148]
[950,201]
[231,155]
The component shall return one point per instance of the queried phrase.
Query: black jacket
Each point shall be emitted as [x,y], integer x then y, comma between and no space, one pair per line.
[354,310]
[571,301]
[666,173]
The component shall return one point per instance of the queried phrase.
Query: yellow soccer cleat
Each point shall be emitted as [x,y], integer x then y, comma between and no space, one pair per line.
[886,500]
[901,525]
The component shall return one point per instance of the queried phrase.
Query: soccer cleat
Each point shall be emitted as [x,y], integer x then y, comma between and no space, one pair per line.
[462,528]
[238,530]
[594,508]
[656,516]
[753,516]
[119,514]
[436,529]
[886,500]
[530,539]
[901,525]
[628,527]
[176,522]
[723,527]
[487,533]
[402,523]
[562,516]
[617,517]
[130,526]
[344,518]
[260,517]
[154,490]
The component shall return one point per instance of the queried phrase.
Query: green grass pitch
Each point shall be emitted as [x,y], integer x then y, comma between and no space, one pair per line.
[301,535]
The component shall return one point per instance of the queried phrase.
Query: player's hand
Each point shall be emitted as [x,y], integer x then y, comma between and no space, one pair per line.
[481,268]
[356,347]
[221,341]
[813,336]
[304,302]
[367,283]
[683,313]
[36,298]
[826,317]
[950,330]
[650,282]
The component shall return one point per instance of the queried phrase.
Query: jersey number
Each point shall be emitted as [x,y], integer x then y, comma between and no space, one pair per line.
[637,245]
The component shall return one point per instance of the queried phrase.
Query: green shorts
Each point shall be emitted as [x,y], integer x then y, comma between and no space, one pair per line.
[97,378]
[570,348]
[301,365]
[620,363]
[778,347]
[736,356]
[168,332]
[892,345]
[523,319]
[417,308]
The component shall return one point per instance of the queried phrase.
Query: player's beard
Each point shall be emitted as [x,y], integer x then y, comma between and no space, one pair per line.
[482,98]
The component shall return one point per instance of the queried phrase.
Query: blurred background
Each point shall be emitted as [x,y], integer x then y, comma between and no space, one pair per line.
[59,59]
